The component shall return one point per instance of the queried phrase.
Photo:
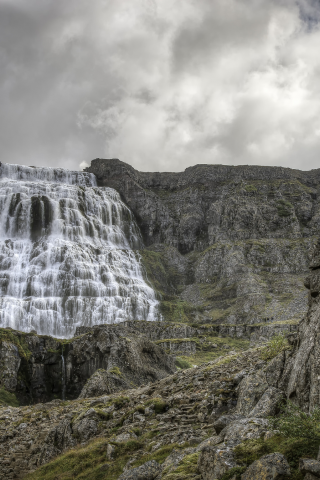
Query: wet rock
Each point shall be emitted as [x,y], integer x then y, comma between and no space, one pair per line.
[268,467]
[148,471]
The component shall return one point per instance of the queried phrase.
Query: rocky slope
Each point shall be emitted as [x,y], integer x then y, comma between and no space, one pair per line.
[204,423]
[224,244]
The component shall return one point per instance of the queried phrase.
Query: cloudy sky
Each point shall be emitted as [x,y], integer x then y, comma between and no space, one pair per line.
[160,84]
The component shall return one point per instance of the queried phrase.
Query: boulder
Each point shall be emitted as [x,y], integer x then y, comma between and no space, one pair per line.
[244,429]
[214,462]
[224,420]
[268,467]
[268,403]
[308,465]
[251,390]
[102,382]
[147,471]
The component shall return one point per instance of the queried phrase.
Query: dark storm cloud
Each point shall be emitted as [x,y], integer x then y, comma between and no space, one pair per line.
[160,83]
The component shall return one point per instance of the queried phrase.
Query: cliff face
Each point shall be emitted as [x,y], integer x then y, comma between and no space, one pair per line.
[301,374]
[207,204]
[41,368]
[224,244]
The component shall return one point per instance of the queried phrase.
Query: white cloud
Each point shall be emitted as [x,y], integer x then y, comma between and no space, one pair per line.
[160,84]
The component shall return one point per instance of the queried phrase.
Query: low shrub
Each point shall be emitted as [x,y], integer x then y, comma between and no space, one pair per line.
[277,344]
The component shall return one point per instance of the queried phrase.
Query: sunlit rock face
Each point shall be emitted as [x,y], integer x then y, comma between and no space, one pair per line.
[67,253]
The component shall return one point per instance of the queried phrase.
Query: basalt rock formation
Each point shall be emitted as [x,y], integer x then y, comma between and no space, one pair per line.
[224,244]
[41,368]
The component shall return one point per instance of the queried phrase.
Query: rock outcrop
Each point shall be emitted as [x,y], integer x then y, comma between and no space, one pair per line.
[41,368]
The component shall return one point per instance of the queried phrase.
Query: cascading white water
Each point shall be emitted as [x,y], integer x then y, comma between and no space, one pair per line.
[67,253]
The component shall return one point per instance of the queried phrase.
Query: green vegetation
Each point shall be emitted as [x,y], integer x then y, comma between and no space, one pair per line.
[293,449]
[176,311]
[294,423]
[90,462]
[6,335]
[187,467]
[182,363]
[234,472]
[115,371]
[284,208]
[206,352]
[7,398]
[250,188]
[298,435]
[158,404]
[276,345]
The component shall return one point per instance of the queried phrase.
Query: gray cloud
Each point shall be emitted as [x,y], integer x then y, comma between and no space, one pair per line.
[160,84]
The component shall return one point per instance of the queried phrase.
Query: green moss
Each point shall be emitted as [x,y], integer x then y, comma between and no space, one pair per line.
[182,363]
[187,468]
[6,335]
[177,311]
[284,208]
[293,449]
[7,398]
[234,472]
[250,188]
[115,371]
[158,404]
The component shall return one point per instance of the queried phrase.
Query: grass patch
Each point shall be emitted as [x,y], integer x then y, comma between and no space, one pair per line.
[187,467]
[18,341]
[206,353]
[284,208]
[277,344]
[293,449]
[159,405]
[7,398]
[182,363]
[234,472]
[115,371]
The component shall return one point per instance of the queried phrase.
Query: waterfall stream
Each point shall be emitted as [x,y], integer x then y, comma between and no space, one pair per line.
[67,253]
[63,378]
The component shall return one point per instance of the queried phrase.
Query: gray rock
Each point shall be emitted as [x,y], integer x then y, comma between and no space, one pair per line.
[244,429]
[102,382]
[308,465]
[147,471]
[209,442]
[268,467]
[225,420]
[268,403]
[251,390]
[214,462]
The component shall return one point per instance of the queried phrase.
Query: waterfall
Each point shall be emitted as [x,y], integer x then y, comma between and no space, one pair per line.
[63,378]
[67,253]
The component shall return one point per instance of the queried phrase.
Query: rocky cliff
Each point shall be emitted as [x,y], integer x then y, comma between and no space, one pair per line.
[223,244]
[38,368]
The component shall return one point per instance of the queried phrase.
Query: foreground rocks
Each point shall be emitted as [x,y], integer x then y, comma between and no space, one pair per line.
[179,408]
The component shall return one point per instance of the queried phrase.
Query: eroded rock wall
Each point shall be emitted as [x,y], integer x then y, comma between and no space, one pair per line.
[41,368]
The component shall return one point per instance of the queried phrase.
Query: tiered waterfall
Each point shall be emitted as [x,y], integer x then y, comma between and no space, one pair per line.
[67,253]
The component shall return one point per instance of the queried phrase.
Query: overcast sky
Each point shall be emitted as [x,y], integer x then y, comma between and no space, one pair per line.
[160,84]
